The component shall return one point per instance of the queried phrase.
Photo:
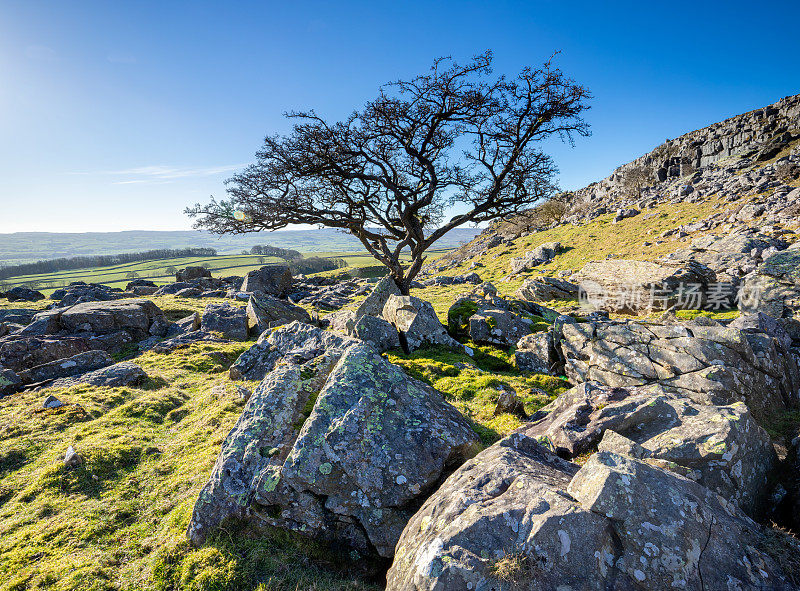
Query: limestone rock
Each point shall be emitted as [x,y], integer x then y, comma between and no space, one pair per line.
[710,364]
[349,471]
[22,294]
[721,447]
[616,523]
[275,280]
[184,325]
[69,366]
[191,273]
[377,331]
[120,374]
[544,289]
[135,317]
[536,353]
[538,256]
[228,320]
[633,286]
[417,323]
[375,302]
[9,381]
[264,312]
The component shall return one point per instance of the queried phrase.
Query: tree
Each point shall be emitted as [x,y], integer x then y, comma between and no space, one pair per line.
[131,275]
[387,174]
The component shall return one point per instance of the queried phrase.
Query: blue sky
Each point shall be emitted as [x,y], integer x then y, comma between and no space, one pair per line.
[117,115]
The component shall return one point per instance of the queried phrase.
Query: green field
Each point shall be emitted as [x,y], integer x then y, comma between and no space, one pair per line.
[157,270]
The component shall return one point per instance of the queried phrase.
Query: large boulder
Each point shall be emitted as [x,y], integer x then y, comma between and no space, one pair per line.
[774,289]
[138,318]
[374,303]
[22,294]
[264,312]
[707,362]
[184,325]
[498,327]
[536,353]
[340,447]
[377,331]
[721,447]
[192,273]
[21,352]
[18,315]
[634,286]
[120,374]
[80,292]
[296,341]
[228,320]
[538,256]
[519,517]
[544,289]
[416,322]
[70,366]
[275,280]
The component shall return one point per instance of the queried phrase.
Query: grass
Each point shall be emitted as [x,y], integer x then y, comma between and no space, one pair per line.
[473,385]
[119,520]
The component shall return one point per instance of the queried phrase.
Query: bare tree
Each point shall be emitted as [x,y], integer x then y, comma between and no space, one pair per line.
[452,138]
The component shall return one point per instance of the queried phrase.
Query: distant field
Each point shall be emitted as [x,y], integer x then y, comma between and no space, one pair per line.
[23,247]
[156,271]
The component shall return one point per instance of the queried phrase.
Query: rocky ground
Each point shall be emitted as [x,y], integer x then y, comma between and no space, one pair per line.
[608,402]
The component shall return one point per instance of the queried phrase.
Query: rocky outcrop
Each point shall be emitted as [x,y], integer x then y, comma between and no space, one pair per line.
[634,286]
[118,375]
[774,289]
[545,289]
[272,280]
[70,366]
[536,353]
[226,319]
[707,362]
[538,256]
[416,322]
[719,446]
[192,273]
[297,341]
[264,312]
[374,303]
[9,381]
[80,292]
[22,294]
[339,446]
[519,517]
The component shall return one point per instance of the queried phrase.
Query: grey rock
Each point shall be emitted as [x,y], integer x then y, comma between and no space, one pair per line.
[132,316]
[22,294]
[52,402]
[544,289]
[536,353]
[719,446]
[186,340]
[615,523]
[538,256]
[191,273]
[18,315]
[69,366]
[120,374]
[498,327]
[291,344]
[353,470]
[710,364]
[634,286]
[417,323]
[271,280]
[374,303]
[264,312]
[377,331]
[9,381]
[72,459]
[228,320]
[184,325]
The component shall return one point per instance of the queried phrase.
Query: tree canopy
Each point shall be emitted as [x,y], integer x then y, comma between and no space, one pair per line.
[455,140]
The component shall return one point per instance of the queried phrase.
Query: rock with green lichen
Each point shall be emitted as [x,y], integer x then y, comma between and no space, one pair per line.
[9,381]
[265,311]
[615,523]
[774,289]
[374,303]
[417,323]
[359,444]
[703,360]
[721,447]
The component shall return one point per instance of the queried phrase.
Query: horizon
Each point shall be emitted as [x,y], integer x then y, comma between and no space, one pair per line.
[118,117]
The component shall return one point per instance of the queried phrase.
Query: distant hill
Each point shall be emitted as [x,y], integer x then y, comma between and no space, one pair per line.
[32,246]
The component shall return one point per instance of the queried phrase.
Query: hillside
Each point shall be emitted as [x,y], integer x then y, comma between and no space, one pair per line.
[503,431]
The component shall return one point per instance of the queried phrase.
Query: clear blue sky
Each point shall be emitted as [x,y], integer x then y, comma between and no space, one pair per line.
[117,114]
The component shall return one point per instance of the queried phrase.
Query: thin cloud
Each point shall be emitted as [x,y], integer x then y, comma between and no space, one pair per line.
[162,174]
